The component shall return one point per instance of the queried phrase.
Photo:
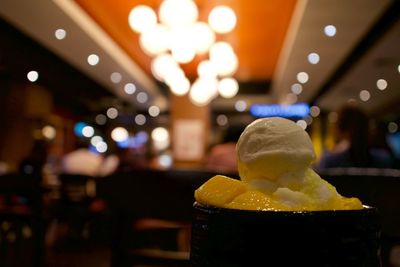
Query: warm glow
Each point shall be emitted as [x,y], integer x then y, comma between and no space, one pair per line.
[206,69]
[49,132]
[203,91]
[155,40]
[228,87]
[160,137]
[119,134]
[202,37]
[182,46]
[179,85]
[224,58]
[222,19]
[178,13]
[142,18]
[162,65]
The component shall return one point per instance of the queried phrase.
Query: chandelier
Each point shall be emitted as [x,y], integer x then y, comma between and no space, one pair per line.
[176,36]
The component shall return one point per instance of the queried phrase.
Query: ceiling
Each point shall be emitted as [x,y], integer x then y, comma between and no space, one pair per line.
[272,39]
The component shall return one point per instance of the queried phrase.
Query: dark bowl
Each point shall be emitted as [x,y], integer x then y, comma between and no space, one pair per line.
[228,237]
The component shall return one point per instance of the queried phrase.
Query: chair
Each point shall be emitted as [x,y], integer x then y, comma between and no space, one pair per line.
[21,221]
[77,193]
[379,188]
[152,213]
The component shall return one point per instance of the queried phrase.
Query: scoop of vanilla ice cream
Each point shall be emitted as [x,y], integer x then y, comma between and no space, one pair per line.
[271,147]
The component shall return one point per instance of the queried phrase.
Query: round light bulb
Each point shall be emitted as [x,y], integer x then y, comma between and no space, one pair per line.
[142,18]
[222,19]
[228,87]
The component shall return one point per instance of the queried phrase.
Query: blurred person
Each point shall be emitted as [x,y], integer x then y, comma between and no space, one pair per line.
[353,148]
[83,161]
[222,157]
[33,164]
[132,159]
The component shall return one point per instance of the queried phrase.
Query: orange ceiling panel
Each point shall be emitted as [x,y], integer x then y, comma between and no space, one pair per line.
[257,38]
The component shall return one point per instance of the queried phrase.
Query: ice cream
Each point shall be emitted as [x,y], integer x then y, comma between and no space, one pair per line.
[274,164]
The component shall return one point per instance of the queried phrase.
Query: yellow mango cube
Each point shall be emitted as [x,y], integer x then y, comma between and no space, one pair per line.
[219,190]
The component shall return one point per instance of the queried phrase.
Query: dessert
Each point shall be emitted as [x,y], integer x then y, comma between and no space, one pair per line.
[274,164]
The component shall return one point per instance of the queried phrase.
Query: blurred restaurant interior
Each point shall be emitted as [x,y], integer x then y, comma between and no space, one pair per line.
[97,92]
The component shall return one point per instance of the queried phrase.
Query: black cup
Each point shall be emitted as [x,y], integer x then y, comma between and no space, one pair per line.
[228,237]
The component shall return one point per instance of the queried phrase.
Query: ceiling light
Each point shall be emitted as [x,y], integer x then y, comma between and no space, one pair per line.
[60,34]
[315,111]
[116,77]
[162,65]
[101,119]
[202,37]
[365,95]
[330,30]
[112,113]
[206,69]
[142,97]
[224,58]
[203,91]
[179,85]
[302,77]
[32,76]
[93,59]
[155,40]
[101,147]
[119,134]
[49,132]
[222,120]
[95,140]
[154,111]
[130,88]
[392,127]
[178,13]
[142,18]
[240,105]
[228,87]
[398,68]
[313,58]
[182,47]
[88,131]
[302,124]
[140,119]
[222,19]
[160,134]
[381,84]
[296,88]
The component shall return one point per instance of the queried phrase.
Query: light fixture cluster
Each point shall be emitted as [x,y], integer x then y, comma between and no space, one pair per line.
[175,37]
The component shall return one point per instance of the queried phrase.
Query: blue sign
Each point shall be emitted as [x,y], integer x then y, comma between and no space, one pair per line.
[299,110]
